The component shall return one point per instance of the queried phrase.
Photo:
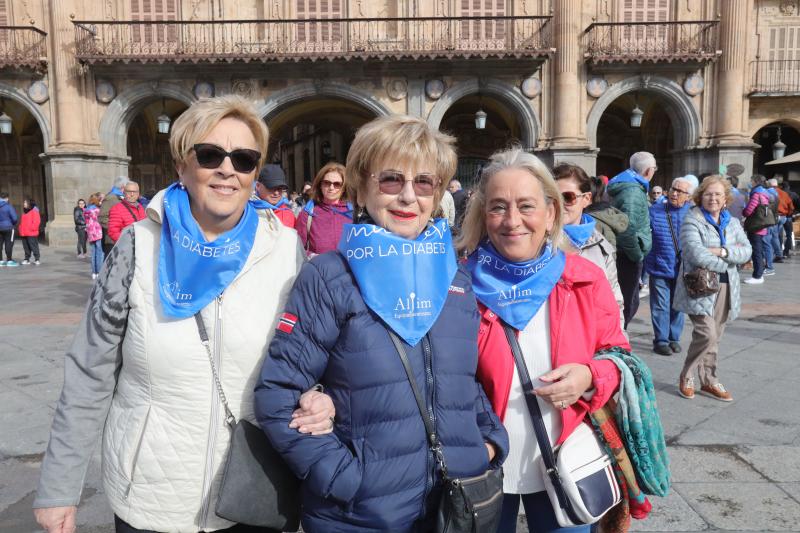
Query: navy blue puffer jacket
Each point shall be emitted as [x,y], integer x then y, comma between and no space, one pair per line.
[375,471]
[663,261]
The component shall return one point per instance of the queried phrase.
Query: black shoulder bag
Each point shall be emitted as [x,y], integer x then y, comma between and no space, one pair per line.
[468,505]
[257,488]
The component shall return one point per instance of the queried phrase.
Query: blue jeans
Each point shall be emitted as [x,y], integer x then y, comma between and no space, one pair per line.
[766,241]
[757,242]
[775,234]
[538,511]
[667,323]
[97,256]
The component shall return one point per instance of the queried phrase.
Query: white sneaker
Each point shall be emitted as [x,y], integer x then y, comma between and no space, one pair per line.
[37,262]
[754,281]
[26,262]
[94,276]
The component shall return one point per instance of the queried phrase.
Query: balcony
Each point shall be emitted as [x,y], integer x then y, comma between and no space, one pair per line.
[654,42]
[172,42]
[779,77]
[23,47]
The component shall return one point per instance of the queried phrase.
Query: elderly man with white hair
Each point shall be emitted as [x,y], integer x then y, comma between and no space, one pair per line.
[628,193]
[774,232]
[663,264]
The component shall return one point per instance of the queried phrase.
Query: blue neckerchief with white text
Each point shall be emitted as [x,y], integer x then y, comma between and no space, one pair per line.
[404,281]
[347,212]
[514,291]
[191,271]
[579,233]
[724,220]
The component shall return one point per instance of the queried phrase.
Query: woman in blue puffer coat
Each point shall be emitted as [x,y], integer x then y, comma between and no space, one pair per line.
[394,271]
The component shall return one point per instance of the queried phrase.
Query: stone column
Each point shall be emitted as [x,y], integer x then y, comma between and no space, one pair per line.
[733,143]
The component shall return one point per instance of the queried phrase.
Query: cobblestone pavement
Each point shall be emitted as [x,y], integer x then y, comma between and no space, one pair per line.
[736,466]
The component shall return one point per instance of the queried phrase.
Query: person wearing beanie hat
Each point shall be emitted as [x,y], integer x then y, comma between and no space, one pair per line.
[271,187]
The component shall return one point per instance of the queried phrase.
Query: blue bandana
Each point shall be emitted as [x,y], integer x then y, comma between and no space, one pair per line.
[258,203]
[191,271]
[347,213]
[579,233]
[405,282]
[630,175]
[514,291]
[724,220]
[115,191]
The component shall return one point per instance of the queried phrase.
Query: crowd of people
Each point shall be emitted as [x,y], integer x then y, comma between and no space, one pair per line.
[384,327]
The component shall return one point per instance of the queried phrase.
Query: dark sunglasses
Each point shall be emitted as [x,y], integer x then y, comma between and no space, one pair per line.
[571,197]
[327,184]
[211,156]
[392,182]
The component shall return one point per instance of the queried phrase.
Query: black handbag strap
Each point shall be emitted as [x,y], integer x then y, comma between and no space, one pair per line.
[538,424]
[430,431]
[672,230]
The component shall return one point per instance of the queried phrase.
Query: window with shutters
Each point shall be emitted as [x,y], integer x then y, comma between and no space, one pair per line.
[784,58]
[644,11]
[322,33]
[4,18]
[493,32]
[154,10]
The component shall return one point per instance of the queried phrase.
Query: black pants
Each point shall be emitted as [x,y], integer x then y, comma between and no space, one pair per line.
[31,246]
[81,240]
[628,273]
[121,526]
[7,238]
[758,253]
[788,228]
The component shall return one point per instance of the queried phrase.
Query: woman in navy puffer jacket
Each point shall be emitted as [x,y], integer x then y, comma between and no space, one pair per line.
[375,471]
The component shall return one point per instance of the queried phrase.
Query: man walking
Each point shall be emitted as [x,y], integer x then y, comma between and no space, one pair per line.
[8,219]
[628,193]
[125,212]
[663,264]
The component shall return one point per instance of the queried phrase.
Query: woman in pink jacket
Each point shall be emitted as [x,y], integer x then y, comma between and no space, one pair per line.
[320,223]
[758,196]
[94,232]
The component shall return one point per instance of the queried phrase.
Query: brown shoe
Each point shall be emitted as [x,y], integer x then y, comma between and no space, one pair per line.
[717,391]
[686,388]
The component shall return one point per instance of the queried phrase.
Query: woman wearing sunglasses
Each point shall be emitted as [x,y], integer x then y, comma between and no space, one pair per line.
[394,273]
[580,228]
[561,308]
[322,218]
[138,372]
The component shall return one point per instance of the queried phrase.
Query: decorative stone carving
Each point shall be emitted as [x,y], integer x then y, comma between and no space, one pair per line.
[243,88]
[531,87]
[434,89]
[788,7]
[204,89]
[38,92]
[596,86]
[694,84]
[397,88]
[104,91]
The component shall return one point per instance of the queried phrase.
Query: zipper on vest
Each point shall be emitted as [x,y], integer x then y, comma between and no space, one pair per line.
[136,456]
[215,415]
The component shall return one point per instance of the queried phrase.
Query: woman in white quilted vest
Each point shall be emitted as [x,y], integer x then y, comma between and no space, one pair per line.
[137,372]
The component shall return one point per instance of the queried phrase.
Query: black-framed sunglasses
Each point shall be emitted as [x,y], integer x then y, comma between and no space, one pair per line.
[392,182]
[211,156]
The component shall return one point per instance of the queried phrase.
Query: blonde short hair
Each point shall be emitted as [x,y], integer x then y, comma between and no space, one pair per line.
[400,138]
[203,116]
[473,228]
[711,180]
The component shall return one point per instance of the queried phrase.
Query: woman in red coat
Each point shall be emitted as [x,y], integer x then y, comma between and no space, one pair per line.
[561,307]
[29,231]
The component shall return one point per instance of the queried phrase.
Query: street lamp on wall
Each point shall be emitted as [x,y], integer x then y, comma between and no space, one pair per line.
[779,148]
[480,119]
[636,117]
[163,121]
[5,120]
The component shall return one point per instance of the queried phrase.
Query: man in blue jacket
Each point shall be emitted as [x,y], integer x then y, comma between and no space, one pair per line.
[663,265]
[8,219]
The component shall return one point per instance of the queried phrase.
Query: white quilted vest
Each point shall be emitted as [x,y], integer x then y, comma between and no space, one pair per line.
[165,440]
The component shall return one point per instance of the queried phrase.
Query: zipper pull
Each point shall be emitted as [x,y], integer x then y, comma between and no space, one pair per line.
[219,307]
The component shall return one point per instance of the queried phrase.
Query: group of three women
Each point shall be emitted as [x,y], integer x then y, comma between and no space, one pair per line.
[139,372]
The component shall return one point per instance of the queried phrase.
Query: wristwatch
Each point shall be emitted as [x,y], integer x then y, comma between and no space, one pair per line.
[724,252]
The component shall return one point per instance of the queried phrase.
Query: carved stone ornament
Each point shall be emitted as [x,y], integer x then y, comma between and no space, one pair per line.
[694,85]
[104,91]
[204,89]
[397,88]
[531,87]
[38,92]
[596,86]
[434,89]
[788,7]
[243,88]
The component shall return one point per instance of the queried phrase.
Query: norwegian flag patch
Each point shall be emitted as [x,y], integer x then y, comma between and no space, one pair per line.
[287,322]
[453,289]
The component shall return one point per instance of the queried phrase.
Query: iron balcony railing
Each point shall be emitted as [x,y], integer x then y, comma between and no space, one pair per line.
[628,42]
[307,39]
[23,47]
[778,77]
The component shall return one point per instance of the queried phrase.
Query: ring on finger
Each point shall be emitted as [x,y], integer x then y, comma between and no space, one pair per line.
[333,421]
[563,405]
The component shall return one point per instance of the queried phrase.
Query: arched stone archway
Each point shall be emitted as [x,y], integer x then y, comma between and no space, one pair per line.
[508,94]
[305,91]
[12,93]
[680,109]
[123,109]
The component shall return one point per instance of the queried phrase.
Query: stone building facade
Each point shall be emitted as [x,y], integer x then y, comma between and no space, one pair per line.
[85,83]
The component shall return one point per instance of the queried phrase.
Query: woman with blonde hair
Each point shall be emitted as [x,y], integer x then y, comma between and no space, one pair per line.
[713,240]
[138,371]
[558,305]
[322,218]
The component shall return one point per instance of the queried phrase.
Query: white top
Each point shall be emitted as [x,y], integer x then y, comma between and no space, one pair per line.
[522,472]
